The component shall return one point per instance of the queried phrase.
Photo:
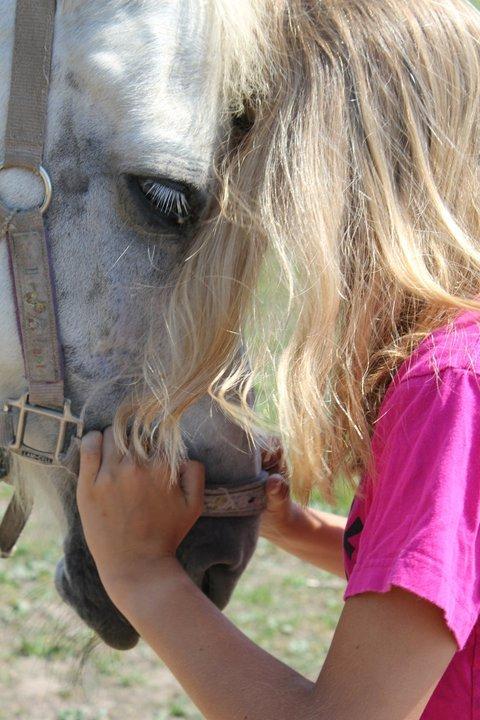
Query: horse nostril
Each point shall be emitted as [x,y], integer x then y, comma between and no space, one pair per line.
[206,584]
[61,579]
[218,583]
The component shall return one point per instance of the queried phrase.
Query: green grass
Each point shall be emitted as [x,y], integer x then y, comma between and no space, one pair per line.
[288,608]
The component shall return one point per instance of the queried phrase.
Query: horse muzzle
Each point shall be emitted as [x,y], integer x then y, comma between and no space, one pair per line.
[214,554]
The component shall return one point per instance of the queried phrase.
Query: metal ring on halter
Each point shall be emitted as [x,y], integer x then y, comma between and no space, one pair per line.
[42,174]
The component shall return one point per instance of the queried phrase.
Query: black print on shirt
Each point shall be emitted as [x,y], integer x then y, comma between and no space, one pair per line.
[355,529]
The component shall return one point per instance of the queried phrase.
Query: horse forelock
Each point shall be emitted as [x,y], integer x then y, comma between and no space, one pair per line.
[235,31]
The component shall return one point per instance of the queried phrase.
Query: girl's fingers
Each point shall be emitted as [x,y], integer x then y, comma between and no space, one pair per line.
[278,491]
[192,479]
[273,460]
[90,457]
[111,454]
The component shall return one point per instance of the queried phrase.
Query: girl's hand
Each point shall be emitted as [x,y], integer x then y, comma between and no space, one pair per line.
[132,517]
[281,510]
[273,460]
[280,513]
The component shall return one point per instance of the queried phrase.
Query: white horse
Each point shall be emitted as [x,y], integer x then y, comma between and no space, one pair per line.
[134,122]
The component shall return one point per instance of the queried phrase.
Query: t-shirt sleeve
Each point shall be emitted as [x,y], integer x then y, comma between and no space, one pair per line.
[422,528]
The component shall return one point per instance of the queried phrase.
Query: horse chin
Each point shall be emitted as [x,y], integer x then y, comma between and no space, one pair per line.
[214,554]
[105,620]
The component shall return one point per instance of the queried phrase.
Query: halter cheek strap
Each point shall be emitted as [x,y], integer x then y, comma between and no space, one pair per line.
[25,229]
[26,238]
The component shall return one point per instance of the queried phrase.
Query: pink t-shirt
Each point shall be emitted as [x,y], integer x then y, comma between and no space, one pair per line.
[416,525]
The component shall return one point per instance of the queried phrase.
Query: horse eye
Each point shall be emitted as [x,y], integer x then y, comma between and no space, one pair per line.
[170,200]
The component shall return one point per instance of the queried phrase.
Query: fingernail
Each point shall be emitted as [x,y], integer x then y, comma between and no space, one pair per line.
[275,485]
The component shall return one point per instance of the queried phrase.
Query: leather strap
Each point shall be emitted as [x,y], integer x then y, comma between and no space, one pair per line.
[36,308]
[24,146]
[241,501]
[27,110]
[14,520]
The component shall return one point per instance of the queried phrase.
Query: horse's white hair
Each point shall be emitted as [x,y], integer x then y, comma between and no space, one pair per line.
[236,33]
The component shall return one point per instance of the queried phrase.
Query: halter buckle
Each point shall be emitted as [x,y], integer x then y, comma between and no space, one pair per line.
[64,417]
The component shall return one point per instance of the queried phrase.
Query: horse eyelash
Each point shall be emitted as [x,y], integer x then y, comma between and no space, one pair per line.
[167,199]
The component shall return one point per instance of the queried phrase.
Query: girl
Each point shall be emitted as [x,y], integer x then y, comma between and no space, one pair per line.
[359,166]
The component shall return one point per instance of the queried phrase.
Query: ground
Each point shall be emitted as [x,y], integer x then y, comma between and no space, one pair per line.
[289,608]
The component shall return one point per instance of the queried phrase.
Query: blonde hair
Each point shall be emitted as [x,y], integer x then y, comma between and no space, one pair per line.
[356,178]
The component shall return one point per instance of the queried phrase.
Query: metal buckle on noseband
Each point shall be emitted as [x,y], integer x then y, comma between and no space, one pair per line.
[238,501]
[63,417]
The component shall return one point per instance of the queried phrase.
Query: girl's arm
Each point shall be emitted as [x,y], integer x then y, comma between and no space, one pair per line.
[388,654]
[311,535]
[389,650]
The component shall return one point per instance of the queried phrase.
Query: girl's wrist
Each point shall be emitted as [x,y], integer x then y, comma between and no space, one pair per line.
[151,595]
[282,526]
[138,579]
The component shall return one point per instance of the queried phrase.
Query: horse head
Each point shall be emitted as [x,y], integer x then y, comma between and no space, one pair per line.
[134,123]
